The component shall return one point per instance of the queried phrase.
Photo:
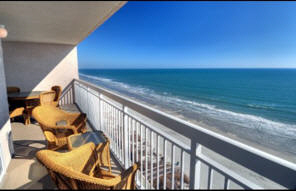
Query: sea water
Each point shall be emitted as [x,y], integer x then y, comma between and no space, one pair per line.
[258,105]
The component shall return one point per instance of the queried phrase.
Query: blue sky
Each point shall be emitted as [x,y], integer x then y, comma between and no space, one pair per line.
[194,35]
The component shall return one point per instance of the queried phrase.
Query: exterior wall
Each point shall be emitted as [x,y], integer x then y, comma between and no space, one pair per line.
[38,66]
[5,128]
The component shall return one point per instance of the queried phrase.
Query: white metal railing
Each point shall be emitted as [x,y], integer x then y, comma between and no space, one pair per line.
[166,161]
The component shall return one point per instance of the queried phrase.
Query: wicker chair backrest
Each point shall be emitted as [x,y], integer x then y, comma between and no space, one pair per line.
[58,91]
[13,89]
[47,98]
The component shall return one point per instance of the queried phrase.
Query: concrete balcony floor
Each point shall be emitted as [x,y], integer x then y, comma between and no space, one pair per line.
[24,171]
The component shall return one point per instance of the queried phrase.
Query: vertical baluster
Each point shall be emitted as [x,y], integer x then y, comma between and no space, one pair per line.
[70,91]
[210,177]
[137,141]
[146,160]
[164,163]
[103,117]
[68,98]
[106,118]
[137,148]
[121,135]
[110,124]
[133,141]
[226,183]
[129,141]
[100,112]
[182,169]
[107,121]
[112,127]
[65,96]
[125,130]
[73,92]
[173,166]
[157,161]
[151,159]
[195,165]
[141,157]
[114,130]
[117,131]
[87,104]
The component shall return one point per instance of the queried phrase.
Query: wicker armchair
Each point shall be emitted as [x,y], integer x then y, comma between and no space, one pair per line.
[20,111]
[57,124]
[47,98]
[77,169]
[15,107]
[58,91]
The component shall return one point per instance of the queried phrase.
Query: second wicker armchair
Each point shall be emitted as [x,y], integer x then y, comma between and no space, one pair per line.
[57,124]
[77,170]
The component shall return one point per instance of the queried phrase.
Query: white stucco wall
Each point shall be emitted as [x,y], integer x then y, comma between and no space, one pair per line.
[5,128]
[38,66]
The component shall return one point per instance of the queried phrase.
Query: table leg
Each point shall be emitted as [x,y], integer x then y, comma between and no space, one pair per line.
[27,118]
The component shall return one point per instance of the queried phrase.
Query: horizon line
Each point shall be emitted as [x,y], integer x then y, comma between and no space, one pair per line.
[177,68]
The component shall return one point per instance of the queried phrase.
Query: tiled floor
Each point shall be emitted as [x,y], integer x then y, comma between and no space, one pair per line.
[24,171]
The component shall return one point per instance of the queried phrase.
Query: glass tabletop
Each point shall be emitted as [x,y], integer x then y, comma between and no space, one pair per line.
[96,137]
[25,94]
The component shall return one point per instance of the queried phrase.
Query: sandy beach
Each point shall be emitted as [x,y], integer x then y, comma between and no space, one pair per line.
[219,179]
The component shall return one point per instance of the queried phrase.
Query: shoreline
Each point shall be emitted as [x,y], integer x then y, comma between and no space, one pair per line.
[287,156]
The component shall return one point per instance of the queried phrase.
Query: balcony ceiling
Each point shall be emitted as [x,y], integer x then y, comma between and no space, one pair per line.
[54,22]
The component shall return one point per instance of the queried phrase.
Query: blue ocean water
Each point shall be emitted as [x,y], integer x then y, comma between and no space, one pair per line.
[254,104]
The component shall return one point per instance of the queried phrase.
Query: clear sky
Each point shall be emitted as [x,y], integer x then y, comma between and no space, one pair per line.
[194,35]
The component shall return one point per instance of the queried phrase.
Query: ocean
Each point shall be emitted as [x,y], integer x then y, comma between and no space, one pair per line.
[255,105]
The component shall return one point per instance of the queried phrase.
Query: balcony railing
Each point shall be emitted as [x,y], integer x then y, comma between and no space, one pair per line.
[170,149]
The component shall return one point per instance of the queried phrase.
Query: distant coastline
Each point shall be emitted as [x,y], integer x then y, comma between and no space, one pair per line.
[81,69]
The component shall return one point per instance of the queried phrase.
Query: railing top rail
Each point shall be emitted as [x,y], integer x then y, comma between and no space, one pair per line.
[270,166]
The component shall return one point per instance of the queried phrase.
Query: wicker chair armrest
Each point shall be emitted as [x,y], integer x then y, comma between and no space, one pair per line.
[127,177]
[73,114]
[77,117]
[50,137]
[100,173]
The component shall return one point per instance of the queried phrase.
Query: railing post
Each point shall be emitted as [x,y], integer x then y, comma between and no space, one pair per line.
[73,92]
[125,137]
[195,164]
[101,111]
[87,101]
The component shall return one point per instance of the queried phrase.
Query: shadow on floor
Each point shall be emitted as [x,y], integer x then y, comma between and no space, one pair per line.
[43,183]
[36,171]
[26,149]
